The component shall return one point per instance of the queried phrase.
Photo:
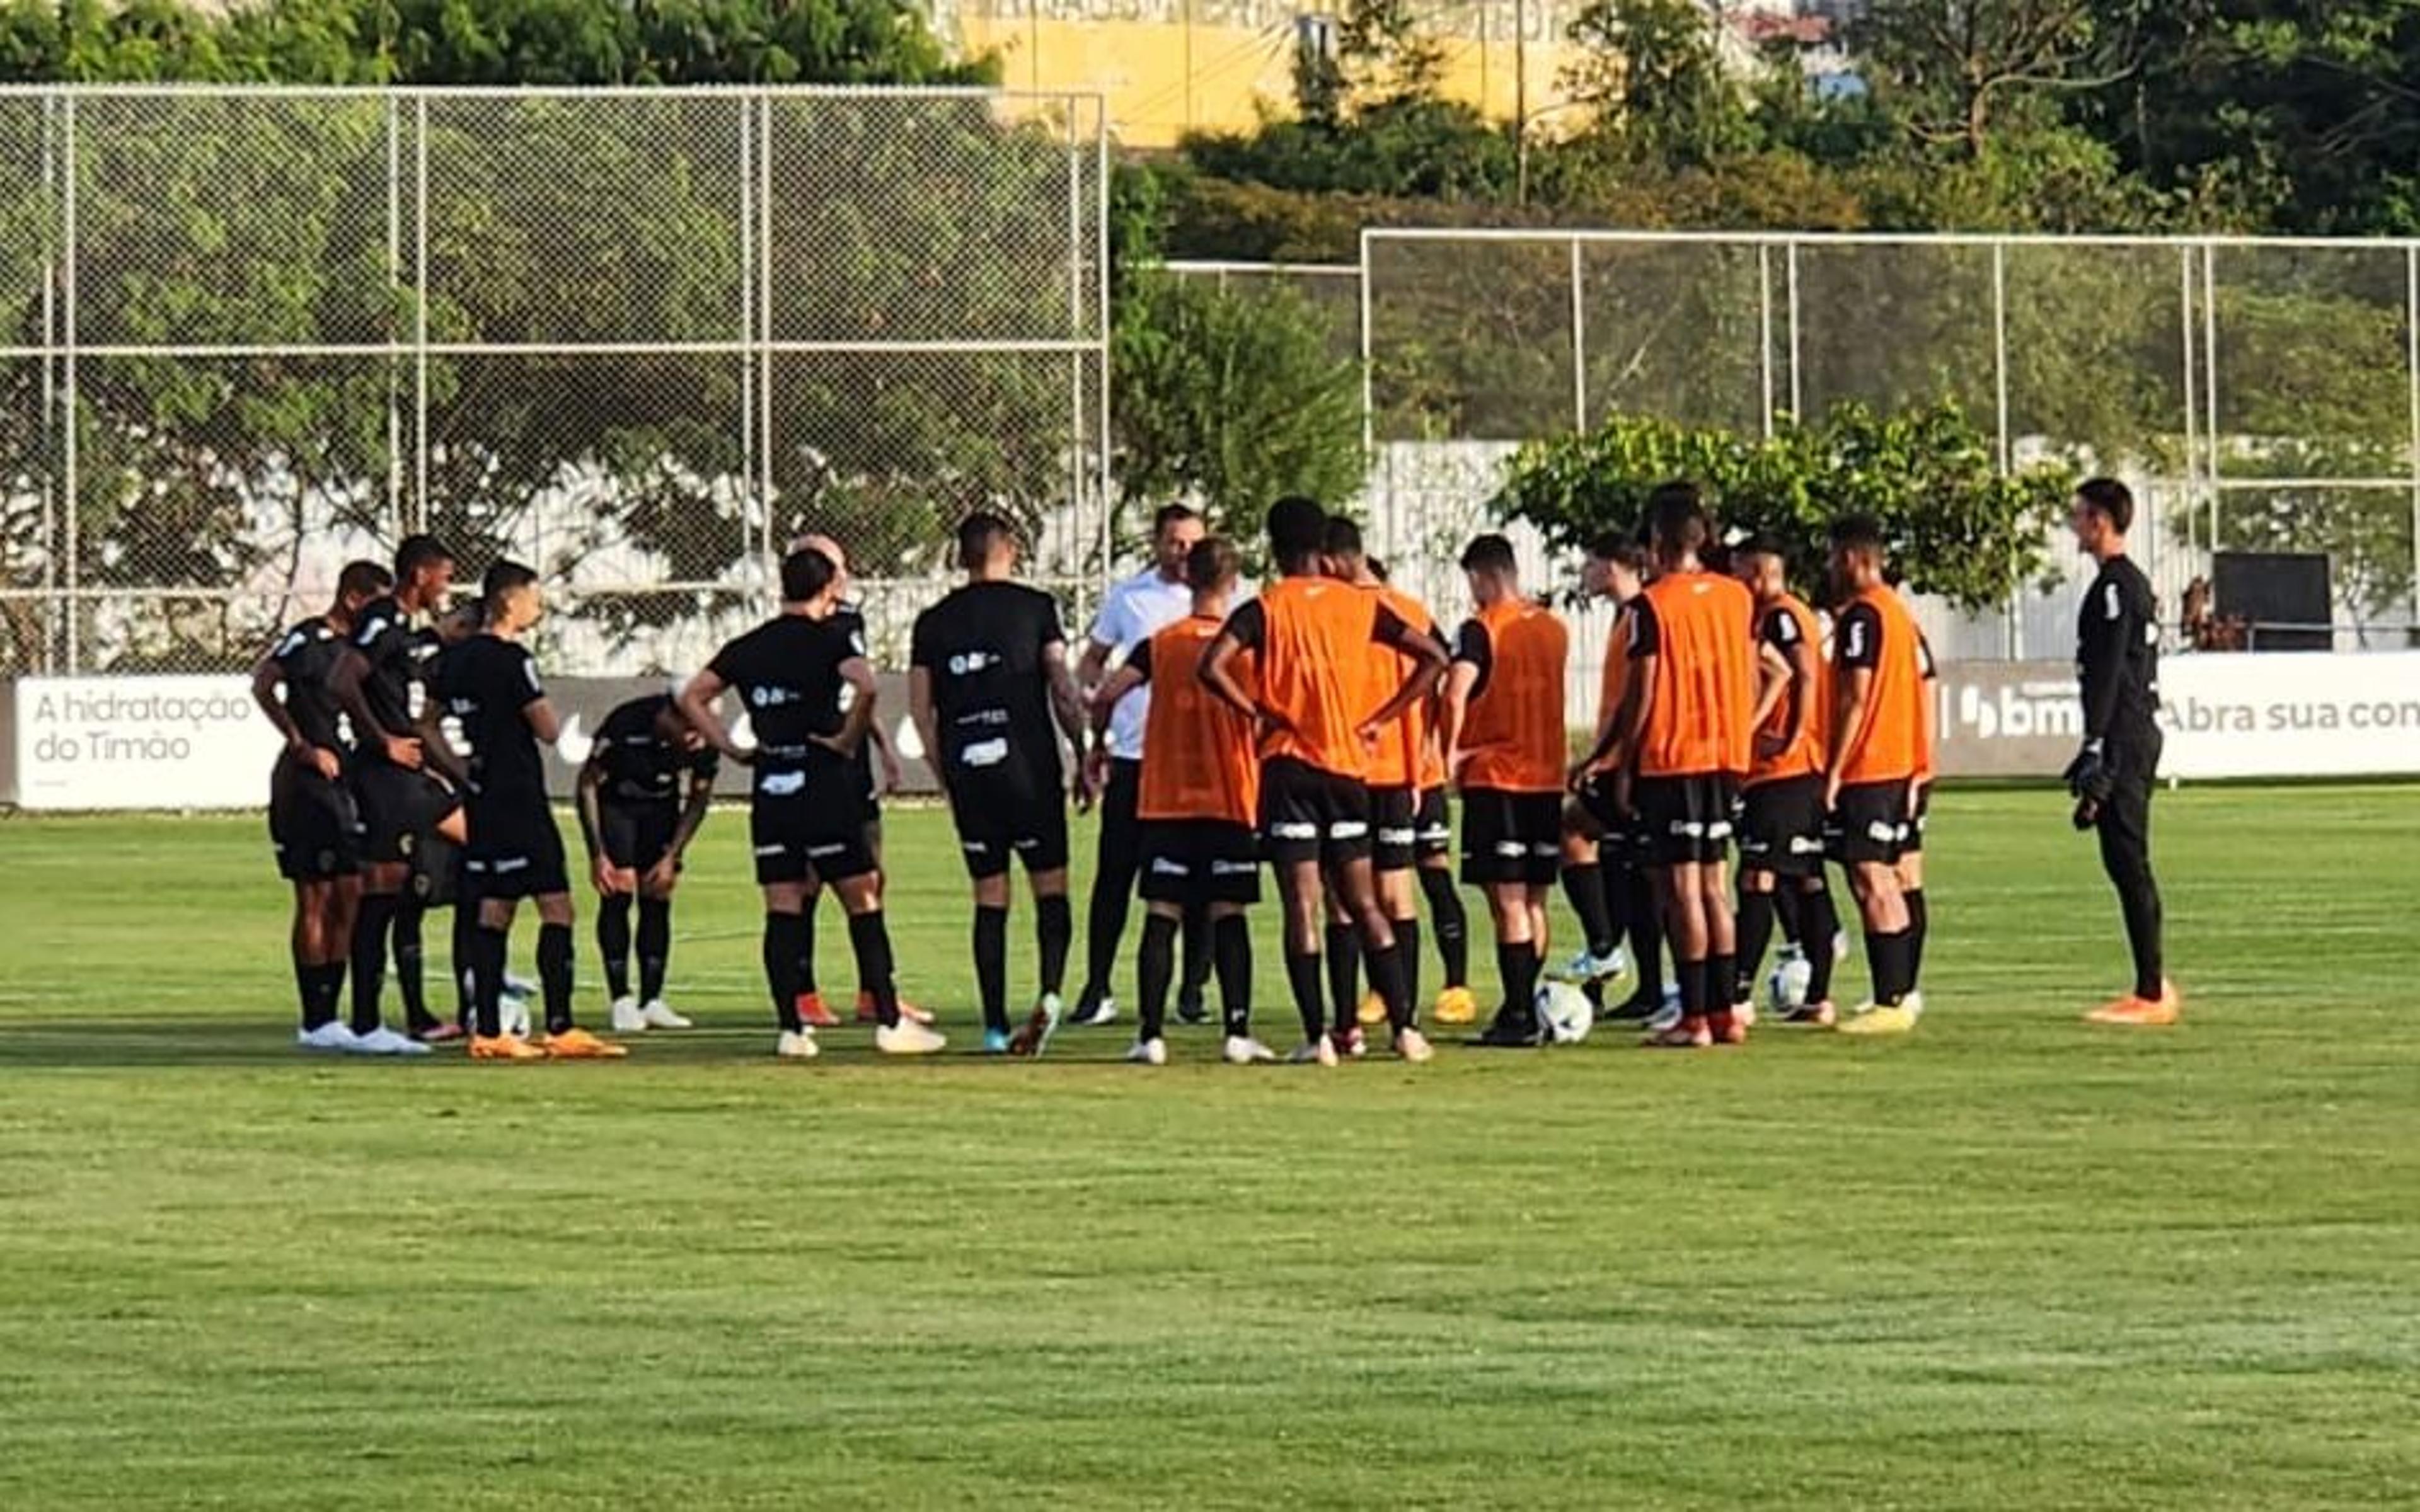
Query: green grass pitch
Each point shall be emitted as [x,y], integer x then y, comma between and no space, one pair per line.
[2010,1262]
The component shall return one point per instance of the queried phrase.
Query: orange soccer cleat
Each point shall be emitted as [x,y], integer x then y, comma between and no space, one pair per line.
[814,1014]
[504,1047]
[578,1044]
[868,1013]
[2142,1012]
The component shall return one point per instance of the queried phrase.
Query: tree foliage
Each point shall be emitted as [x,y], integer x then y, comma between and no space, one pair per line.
[1956,525]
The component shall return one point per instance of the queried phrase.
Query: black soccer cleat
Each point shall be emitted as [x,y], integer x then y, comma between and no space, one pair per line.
[1509,1030]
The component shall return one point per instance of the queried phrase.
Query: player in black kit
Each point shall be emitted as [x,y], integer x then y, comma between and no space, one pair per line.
[406,806]
[313,821]
[643,791]
[2117,661]
[806,818]
[489,684]
[988,675]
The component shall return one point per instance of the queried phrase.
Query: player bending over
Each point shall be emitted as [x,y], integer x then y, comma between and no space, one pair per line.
[1306,637]
[644,792]
[1504,724]
[1873,776]
[1781,820]
[490,685]
[988,675]
[806,807]
[2117,662]
[313,821]
[1196,799]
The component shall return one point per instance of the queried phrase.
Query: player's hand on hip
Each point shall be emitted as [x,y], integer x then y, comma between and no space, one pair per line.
[327,762]
[404,752]
[1831,793]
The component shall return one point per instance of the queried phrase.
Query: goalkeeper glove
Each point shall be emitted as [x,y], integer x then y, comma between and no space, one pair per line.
[2087,776]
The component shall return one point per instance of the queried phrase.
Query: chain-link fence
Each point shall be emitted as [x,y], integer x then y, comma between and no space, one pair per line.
[2262,395]
[636,338]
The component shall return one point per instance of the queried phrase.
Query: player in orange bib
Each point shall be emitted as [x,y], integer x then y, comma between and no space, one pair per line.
[1683,739]
[1876,764]
[1504,725]
[1395,795]
[1781,818]
[1196,799]
[1307,637]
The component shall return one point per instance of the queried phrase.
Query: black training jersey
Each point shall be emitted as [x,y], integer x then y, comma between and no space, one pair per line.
[983,647]
[487,682]
[639,765]
[398,663]
[2117,656]
[306,655]
[850,621]
[786,674]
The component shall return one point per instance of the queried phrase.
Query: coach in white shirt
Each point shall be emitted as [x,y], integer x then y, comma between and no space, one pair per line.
[1135,609]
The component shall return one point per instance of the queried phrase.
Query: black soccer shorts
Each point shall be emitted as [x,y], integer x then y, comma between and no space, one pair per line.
[808,824]
[636,835]
[516,851]
[998,822]
[1196,861]
[314,823]
[1510,837]
[1685,820]
[400,809]
[1394,828]
[1781,827]
[1432,825]
[1871,823]
[1307,814]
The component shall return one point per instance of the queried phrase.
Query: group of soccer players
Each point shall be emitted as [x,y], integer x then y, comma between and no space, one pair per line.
[1315,727]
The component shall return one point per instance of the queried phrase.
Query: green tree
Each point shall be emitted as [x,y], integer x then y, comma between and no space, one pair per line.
[1229,399]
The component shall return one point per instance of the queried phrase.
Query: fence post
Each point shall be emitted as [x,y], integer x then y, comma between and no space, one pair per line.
[2014,616]
[2411,375]
[763,102]
[751,519]
[68,458]
[1101,306]
[420,307]
[1765,331]
[2210,385]
[50,629]
[1798,397]
[394,504]
[1579,344]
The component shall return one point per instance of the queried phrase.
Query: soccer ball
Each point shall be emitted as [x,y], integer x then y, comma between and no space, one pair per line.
[1565,1012]
[1785,986]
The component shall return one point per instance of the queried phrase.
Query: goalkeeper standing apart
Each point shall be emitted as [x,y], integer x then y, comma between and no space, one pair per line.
[2117,661]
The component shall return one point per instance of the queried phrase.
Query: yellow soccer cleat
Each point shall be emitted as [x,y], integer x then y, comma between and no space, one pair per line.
[578,1044]
[1895,1019]
[504,1047]
[1455,1005]
[1373,1012]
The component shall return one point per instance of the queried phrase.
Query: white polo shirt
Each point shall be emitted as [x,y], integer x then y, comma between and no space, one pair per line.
[1135,609]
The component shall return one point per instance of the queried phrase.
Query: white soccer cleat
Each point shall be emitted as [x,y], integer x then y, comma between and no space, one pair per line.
[627,1017]
[386,1042]
[1412,1046]
[1319,1051]
[1668,1013]
[1785,986]
[1148,1053]
[907,1037]
[1588,967]
[333,1035]
[520,986]
[1744,1014]
[1243,1050]
[513,1017]
[656,1015]
[1839,945]
[797,1045]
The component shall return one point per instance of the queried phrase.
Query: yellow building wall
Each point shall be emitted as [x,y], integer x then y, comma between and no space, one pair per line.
[1165,68]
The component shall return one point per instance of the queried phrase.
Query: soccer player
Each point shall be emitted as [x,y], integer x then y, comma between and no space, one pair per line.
[1306,637]
[1681,743]
[848,618]
[1871,780]
[406,808]
[988,674]
[806,807]
[313,821]
[1433,862]
[2117,662]
[1604,863]
[1781,821]
[1197,803]
[1396,769]
[491,684]
[1504,724]
[644,792]
[1134,609]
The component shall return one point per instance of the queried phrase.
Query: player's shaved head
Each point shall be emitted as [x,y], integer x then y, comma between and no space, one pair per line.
[806,574]
[1677,521]
[1297,530]
[361,581]
[984,539]
[1212,564]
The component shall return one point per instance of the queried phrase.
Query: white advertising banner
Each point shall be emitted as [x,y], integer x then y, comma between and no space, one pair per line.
[2292,713]
[141,743]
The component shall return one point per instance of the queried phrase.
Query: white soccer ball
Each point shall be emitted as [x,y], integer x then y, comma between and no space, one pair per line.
[1565,1012]
[1785,985]
[513,1015]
